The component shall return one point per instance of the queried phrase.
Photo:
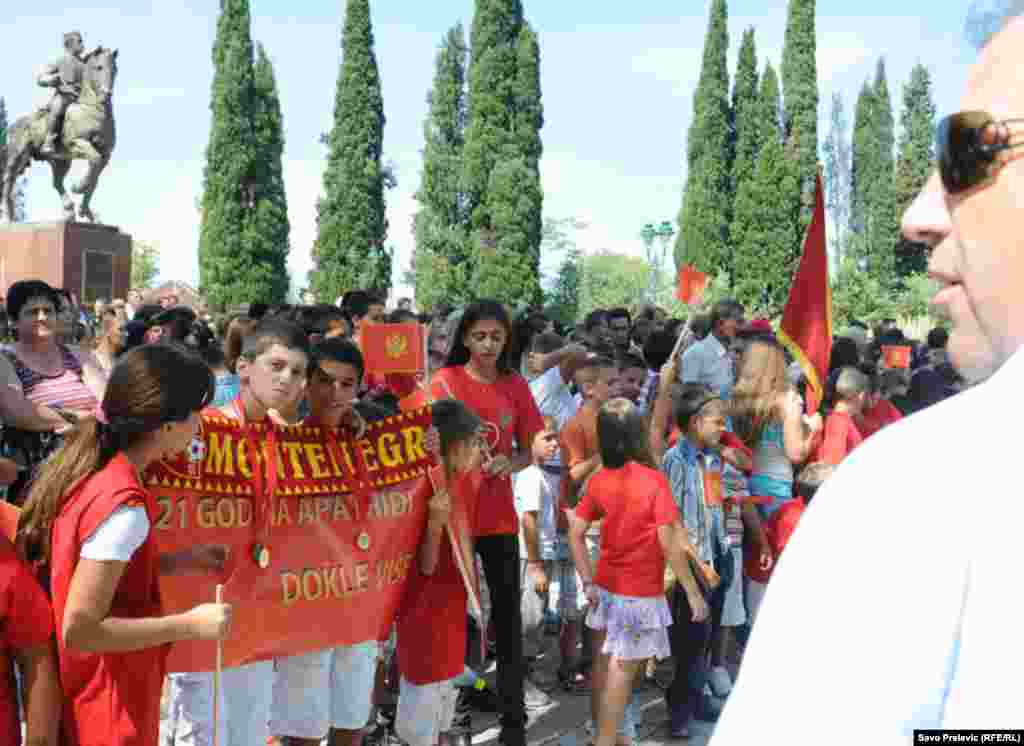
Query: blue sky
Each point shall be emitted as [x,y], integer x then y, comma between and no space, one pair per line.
[618,81]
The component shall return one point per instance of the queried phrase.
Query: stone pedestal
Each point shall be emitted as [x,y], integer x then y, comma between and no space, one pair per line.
[92,261]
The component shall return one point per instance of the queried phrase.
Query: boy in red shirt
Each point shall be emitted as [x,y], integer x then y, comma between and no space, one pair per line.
[878,412]
[27,624]
[841,432]
[596,379]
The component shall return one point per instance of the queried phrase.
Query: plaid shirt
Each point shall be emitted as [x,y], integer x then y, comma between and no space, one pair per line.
[684,466]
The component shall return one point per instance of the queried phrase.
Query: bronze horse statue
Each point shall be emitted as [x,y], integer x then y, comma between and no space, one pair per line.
[87,134]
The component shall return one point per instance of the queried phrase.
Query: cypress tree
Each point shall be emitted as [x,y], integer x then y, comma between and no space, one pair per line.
[349,252]
[746,130]
[800,94]
[863,164]
[883,230]
[494,42]
[766,230]
[915,163]
[226,261]
[504,268]
[837,178]
[269,229]
[440,226]
[704,214]
[503,141]
[529,119]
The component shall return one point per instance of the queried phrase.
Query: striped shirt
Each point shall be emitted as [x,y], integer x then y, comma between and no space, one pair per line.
[66,390]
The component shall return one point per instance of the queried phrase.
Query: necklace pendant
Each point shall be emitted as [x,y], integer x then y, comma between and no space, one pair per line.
[363,541]
[261,556]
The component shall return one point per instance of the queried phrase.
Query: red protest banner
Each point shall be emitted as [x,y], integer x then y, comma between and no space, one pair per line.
[339,533]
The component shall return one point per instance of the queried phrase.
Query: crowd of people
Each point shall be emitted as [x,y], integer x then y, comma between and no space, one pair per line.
[634,479]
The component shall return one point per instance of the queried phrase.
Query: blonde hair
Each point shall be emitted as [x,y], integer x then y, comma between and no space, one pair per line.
[761,380]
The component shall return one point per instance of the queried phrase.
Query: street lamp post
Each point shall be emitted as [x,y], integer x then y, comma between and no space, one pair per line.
[655,254]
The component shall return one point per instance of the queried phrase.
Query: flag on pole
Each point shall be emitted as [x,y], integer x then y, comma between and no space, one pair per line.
[806,328]
[691,284]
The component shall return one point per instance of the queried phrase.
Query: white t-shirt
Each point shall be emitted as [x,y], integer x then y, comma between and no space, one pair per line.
[533,492]
[554,399]
[893,607]
[119,536]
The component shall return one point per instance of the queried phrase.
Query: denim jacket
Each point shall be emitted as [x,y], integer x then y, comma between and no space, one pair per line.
[684,466]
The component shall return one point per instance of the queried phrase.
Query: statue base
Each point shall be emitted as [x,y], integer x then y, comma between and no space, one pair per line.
[92,261]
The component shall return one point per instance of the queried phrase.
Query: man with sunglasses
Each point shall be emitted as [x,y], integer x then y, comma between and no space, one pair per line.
[891,608]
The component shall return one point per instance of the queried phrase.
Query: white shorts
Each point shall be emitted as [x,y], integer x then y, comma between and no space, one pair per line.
[424,712]
[322,690]
[247,702]
[189,720]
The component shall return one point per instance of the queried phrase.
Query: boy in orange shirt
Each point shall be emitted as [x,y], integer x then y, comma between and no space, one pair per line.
[841,432]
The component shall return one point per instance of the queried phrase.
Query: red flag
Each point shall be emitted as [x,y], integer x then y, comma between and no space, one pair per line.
[896,356]
[806,328]
[691,284]
[393,348]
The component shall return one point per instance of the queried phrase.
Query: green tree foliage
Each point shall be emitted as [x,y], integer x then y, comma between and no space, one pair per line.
[800,94]
[838,158]
[747,131]
[563,302]
[706,204]
[503,138]
[529,119]
[506,267]
[349,252]
[766,231]
[228,270]
[863,153]
[441,225]
[494,42]
[915,163]
[269,229]
[860,296]
[882,229]
[145,263]
[611,280]
[562,298]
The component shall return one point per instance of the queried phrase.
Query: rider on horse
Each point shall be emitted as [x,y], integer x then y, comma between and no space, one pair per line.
[65,77]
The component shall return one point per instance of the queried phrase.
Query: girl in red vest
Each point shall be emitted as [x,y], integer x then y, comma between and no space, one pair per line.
[88,518]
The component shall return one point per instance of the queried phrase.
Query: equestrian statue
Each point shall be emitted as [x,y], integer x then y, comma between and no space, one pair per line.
[77,124]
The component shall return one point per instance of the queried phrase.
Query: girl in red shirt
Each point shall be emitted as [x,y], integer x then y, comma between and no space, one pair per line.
[26,638]
[639,533]
[480,373]
[89,519]
[432,621]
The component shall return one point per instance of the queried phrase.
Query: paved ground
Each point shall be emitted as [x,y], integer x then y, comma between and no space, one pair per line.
[563,722]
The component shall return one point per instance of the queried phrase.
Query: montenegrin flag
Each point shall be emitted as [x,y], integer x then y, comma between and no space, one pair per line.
[806,328]
[394,348]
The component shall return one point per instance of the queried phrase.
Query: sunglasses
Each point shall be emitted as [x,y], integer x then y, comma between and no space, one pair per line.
[967,144]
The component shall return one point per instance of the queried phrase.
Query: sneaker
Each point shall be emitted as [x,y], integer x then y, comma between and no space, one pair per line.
[480,698]
[534,698]
[720,681]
